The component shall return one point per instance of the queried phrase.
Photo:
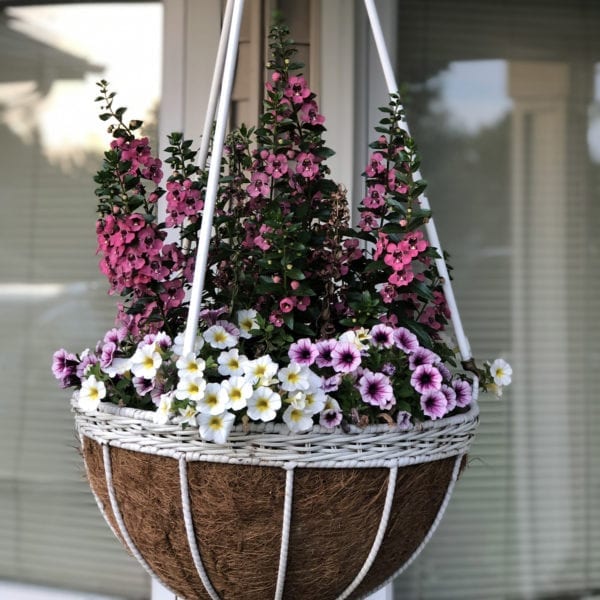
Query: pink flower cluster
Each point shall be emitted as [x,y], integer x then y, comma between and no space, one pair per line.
[400,257]
[138,152]
[183,202]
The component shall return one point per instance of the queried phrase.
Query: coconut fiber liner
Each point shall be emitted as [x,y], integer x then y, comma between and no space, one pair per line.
[237,513]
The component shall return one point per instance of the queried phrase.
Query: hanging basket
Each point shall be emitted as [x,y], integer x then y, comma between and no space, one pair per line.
[272,515]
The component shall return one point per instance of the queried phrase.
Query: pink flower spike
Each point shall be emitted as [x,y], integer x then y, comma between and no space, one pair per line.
[307,165]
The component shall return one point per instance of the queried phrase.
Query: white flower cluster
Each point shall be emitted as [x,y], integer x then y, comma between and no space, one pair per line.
[259,386]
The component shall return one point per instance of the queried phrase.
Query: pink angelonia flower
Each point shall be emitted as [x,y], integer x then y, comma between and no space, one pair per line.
[401,278]
[309,113]
[259,185]
[376,165]
[375,197]
[388,293]
[276,319]
[368,221]
[153,170]
[296,89]
[287,305]
[303,303]
[307,165]
[277,165]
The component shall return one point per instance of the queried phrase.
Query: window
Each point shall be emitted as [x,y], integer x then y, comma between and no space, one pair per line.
[51,292]
[503,100]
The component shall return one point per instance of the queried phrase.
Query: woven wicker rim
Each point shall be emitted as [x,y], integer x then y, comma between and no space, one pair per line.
[272,444]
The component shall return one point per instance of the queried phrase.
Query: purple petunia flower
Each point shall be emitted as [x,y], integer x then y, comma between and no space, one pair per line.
[330,418]
[63,364]
[426,378]
[87,359]
[433,404]
[444,370]
[388,369]
[450,397]
[210,315]
[303,352]
[115,335]
[405,340]
[463,393]
[404,420]
[107,354]
[324,350]
[382,336]
[331,384]
[345,357]
[375,389]
[422,356]
[142,386]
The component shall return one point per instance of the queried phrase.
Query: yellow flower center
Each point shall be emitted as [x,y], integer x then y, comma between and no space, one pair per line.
[215,423]
[262,404]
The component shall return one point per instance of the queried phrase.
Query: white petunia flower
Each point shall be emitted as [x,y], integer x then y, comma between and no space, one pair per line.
[357,337]
[297,419]
[189,366]
[231,363]
[188,414]
[177,346]
[218,337]
[239,390]
[215,428]
[118,366]
[214,401]
[190,388]
[164,410]
[91,392]
[261,370]
[294,377]
[501,372]
[145,361]
[314,401]
[247,322]
[263,404]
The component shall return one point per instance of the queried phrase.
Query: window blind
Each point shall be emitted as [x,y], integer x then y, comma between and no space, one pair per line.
[502,99]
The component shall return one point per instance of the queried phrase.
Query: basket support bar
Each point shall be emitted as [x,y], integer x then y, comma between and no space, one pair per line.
[392,85]
[233,35]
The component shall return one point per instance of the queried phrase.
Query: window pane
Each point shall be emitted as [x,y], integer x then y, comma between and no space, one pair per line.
[504,103]
[51,143]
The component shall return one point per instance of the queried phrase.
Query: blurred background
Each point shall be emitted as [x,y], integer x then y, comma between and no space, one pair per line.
[503,100]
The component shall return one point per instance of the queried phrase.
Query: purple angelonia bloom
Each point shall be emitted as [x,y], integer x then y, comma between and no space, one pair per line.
[330,418]
[426,378]
[375,389]
[303,352]
[422,356]
[345,357]
[463,392]
[324,350]
[405,340]
[433,404]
